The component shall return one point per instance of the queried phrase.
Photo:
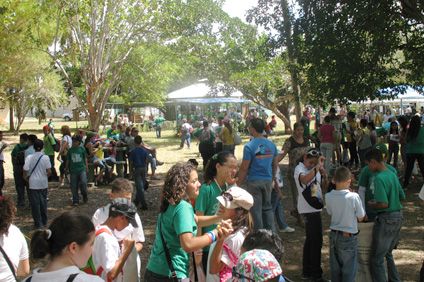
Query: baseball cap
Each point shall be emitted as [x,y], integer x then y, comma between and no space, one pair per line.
[125,207]
[381,147]
[90,134]
[236,197]
[256,265]
[38,145]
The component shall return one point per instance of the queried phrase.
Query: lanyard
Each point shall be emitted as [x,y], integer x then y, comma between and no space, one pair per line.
[226,185]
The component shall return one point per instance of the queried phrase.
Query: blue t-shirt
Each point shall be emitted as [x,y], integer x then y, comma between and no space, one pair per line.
[261,153]
[138,156]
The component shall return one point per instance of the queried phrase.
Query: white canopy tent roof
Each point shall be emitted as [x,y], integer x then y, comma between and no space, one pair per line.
[411,95]
[199,90]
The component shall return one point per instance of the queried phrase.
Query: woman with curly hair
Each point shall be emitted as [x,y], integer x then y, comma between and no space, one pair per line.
[177,226]
[12,244]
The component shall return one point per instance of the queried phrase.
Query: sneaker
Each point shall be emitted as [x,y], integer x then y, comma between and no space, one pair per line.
[154,177]
[306,277]
[288,229]
[85,200]
[76,204]
[159,163]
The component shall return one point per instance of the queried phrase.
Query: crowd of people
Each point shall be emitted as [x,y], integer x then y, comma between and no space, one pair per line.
[224,228]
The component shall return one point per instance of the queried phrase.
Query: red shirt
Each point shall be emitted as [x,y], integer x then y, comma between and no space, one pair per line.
[327,133]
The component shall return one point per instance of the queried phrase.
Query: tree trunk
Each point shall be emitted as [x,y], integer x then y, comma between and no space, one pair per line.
[287,23]
[11,118]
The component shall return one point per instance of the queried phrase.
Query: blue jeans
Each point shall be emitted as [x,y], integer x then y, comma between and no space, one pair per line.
[97,163]
[158,130]
[20,183]
[262,213]
[327,151]
[139,175]
[79,179]
[385,237]
[151,158]
[277,207]
[229,148]
[1,177]
[362,154]
[184,137]
[343,257]
[38,200]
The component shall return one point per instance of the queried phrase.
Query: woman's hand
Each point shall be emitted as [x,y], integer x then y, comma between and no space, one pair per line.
[224,229]
[321,161]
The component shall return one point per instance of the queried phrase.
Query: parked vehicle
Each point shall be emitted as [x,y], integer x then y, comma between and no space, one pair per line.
[70,116]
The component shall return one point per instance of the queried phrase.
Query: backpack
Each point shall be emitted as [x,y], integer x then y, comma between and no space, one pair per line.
[56,147]
[20,155]
[90,268]
[206,135]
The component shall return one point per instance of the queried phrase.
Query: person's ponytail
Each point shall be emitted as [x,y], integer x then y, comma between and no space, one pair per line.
[39,245]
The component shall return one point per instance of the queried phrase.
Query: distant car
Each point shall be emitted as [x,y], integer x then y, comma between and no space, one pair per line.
[70,116]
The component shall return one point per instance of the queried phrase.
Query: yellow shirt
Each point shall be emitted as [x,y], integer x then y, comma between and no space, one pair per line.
[229,138]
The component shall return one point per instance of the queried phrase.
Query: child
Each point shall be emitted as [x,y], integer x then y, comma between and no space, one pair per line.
[51,125]
[138,165]
[345,208]
[306,172]
[393,135]
[257,265]
[108,258]
[234,205]
[76,164]
[363,139]
[385,236]
[68,243]
[122,188]
[276,198]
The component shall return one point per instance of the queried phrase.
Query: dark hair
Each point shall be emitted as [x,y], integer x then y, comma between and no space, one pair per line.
[66,228]
[1,132]
[342,174]
[175,185]
[296,125]
[24,137]
[228,125]
[7,211]
[122,185]
[363,122]
[194,162]
[32,138]
[396,131]
[258,125]
[414,128]
[210,170]
[137,140]
[38,145]
[327,119]
[332,110]
[351,114]
[241,220]
[65,130]
[266,240]
[403,122]
[374,154]
[371,124]
[205,123]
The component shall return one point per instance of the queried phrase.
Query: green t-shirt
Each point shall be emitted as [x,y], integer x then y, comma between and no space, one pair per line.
[175,221]
[48,145]
[16,148]
[113,133]
[387,189]
[198,134]
[159,121]
[207,203]
[76,159]
[306,131]
[366,179]
[417,145]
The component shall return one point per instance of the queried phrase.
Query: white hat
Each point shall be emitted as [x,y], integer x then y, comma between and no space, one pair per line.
[236,197]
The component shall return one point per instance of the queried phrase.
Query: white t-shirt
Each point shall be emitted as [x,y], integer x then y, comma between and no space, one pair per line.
[38,179]
[1,154]
[279,177]
[302,204]
[137,234]
[421,194]
[106,252]
[16,248]
[234,242]
[62,275]
[68,140]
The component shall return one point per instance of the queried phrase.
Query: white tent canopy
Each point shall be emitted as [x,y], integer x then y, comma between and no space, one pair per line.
[199,90]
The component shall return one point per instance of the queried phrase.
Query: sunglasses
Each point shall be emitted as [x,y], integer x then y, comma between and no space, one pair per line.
[239,275]
[227,196]
[314,153]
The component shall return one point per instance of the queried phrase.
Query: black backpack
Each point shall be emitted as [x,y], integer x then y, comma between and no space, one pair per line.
[20,155]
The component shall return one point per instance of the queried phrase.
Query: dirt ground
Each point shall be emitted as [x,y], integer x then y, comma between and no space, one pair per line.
[408,256]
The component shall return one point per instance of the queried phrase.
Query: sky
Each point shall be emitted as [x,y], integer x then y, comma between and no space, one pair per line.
[238,8]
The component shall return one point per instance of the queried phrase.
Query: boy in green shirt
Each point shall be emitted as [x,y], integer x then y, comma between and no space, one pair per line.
[49,142]
[76,162]
[18,160]
[385,235]
[159,122]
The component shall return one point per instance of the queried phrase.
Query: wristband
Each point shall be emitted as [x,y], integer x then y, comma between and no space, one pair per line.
[212,236]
